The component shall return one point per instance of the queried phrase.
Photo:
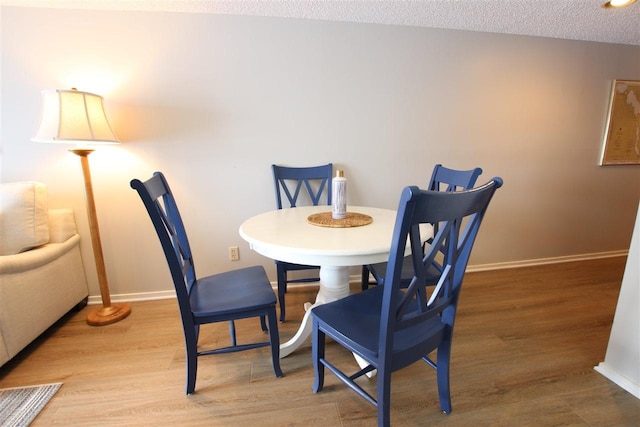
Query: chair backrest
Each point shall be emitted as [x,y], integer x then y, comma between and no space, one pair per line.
[315,180]
[459,215]
[165,216]
[445,179]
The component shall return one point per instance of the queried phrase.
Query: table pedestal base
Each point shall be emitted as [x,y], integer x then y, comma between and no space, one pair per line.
[334,285]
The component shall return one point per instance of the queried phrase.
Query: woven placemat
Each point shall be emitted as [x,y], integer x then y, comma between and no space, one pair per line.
[353,219]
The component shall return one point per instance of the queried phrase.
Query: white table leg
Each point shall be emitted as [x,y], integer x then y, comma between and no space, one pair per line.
[334,284]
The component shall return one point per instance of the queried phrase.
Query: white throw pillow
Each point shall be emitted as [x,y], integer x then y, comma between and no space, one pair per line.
[24,222]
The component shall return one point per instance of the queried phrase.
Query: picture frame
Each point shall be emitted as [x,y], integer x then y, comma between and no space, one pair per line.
[621,145]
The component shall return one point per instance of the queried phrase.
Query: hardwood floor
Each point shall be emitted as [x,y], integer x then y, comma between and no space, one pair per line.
[525,345]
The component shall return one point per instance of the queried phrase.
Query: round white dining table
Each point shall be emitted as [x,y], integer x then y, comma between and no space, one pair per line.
[287,235]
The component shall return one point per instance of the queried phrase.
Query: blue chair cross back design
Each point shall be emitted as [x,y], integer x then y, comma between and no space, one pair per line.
[398,324]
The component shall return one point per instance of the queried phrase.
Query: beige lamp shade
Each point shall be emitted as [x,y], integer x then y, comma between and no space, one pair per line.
[72,116]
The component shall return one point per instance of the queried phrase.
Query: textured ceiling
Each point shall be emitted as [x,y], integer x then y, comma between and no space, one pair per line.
[566,19]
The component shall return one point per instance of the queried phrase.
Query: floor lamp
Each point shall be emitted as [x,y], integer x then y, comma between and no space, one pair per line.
[72,116]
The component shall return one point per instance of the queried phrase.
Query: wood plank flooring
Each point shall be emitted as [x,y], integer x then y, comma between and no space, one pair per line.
[525,345]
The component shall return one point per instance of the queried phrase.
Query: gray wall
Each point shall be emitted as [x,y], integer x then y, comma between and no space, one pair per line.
[213,101]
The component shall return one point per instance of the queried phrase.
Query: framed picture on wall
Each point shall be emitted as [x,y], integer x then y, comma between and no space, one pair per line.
[622,134]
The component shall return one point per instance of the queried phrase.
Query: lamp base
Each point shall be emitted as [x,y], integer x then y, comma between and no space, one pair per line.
[107,315]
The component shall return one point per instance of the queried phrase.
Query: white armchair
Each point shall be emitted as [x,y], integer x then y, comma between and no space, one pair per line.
[41,271]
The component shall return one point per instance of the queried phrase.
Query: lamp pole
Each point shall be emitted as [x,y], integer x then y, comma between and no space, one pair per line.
[108,313]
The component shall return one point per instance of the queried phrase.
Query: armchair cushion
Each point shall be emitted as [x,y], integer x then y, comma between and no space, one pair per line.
[41,271]
[24,220]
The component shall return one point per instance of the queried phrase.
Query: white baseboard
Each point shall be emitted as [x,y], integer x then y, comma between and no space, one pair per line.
[545,261]
[149,296]
[142,296]
[620,380]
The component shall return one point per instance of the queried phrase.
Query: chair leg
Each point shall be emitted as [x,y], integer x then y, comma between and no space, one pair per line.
[444,391]
[318,346]
[365,278]
[282,289]
[191,343]
[384,397]
[232,332]
[263,324]
[274,339]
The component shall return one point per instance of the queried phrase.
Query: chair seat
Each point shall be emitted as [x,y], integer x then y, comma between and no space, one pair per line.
[356,320]
[221,294]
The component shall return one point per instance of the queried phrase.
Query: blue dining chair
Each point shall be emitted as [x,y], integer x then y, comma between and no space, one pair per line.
[442,179]
[391,327]
[228,296]
[294,185]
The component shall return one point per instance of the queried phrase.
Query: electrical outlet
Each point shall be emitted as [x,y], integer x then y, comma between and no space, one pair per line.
[234,253]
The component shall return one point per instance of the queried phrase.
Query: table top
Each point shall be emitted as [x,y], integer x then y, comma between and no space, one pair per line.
[286,235]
